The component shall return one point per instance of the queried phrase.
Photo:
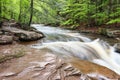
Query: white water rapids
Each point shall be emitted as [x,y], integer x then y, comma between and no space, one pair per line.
[70,44]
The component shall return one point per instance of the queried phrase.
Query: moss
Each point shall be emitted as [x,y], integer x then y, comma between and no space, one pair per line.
[20,53]
[4,58]
[8,57]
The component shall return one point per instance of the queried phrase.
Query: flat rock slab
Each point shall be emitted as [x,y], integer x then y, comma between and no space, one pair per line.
[24,35]
[43,65]
[4,39]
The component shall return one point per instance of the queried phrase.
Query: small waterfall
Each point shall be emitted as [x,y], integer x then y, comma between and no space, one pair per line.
[72,44]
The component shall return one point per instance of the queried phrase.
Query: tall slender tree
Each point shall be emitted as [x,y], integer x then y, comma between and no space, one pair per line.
[31,12]
[20,10]
[0,9]
[0,12]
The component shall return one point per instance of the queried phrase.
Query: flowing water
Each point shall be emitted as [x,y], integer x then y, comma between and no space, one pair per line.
[71,44]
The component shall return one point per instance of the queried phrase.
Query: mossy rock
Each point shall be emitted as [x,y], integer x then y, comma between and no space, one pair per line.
[12,56]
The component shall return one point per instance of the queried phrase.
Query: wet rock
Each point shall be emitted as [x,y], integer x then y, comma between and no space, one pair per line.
[24,35]
[85,77]
[8,74]
[54,68]
[4,39]
[117,47]
[109,33]
[95,71]
[74,72]
[29,36]
[1,32]
[113,33]
[5,23]
[11,23]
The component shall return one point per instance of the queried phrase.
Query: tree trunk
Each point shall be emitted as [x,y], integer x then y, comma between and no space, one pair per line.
[0,13]
[31,12]
[96,11]
[19,18]
[88,14]
[0,10]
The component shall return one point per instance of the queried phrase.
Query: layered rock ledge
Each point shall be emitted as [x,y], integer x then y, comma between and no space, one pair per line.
[43,65]
[23,35]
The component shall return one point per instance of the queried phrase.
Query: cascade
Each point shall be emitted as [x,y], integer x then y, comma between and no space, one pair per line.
[69,44]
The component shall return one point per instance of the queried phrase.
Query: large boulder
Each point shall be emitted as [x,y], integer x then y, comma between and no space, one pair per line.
[4,39]
[28,36]
[117,47]
[24,35]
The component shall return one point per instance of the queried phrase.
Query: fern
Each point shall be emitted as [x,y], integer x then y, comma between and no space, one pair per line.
[117,20]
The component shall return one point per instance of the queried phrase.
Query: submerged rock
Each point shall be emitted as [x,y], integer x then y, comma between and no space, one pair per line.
[117,47]
[95,71]
[4,39]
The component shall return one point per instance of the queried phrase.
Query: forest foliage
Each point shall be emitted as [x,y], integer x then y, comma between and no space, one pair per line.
[71,13]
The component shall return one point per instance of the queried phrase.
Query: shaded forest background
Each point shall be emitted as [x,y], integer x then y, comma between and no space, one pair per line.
[71,13]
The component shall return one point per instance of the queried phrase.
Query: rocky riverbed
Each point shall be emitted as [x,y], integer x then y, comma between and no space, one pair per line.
[44,65]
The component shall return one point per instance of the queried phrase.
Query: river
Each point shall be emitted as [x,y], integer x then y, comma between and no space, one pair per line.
[69,44]
[62,55]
